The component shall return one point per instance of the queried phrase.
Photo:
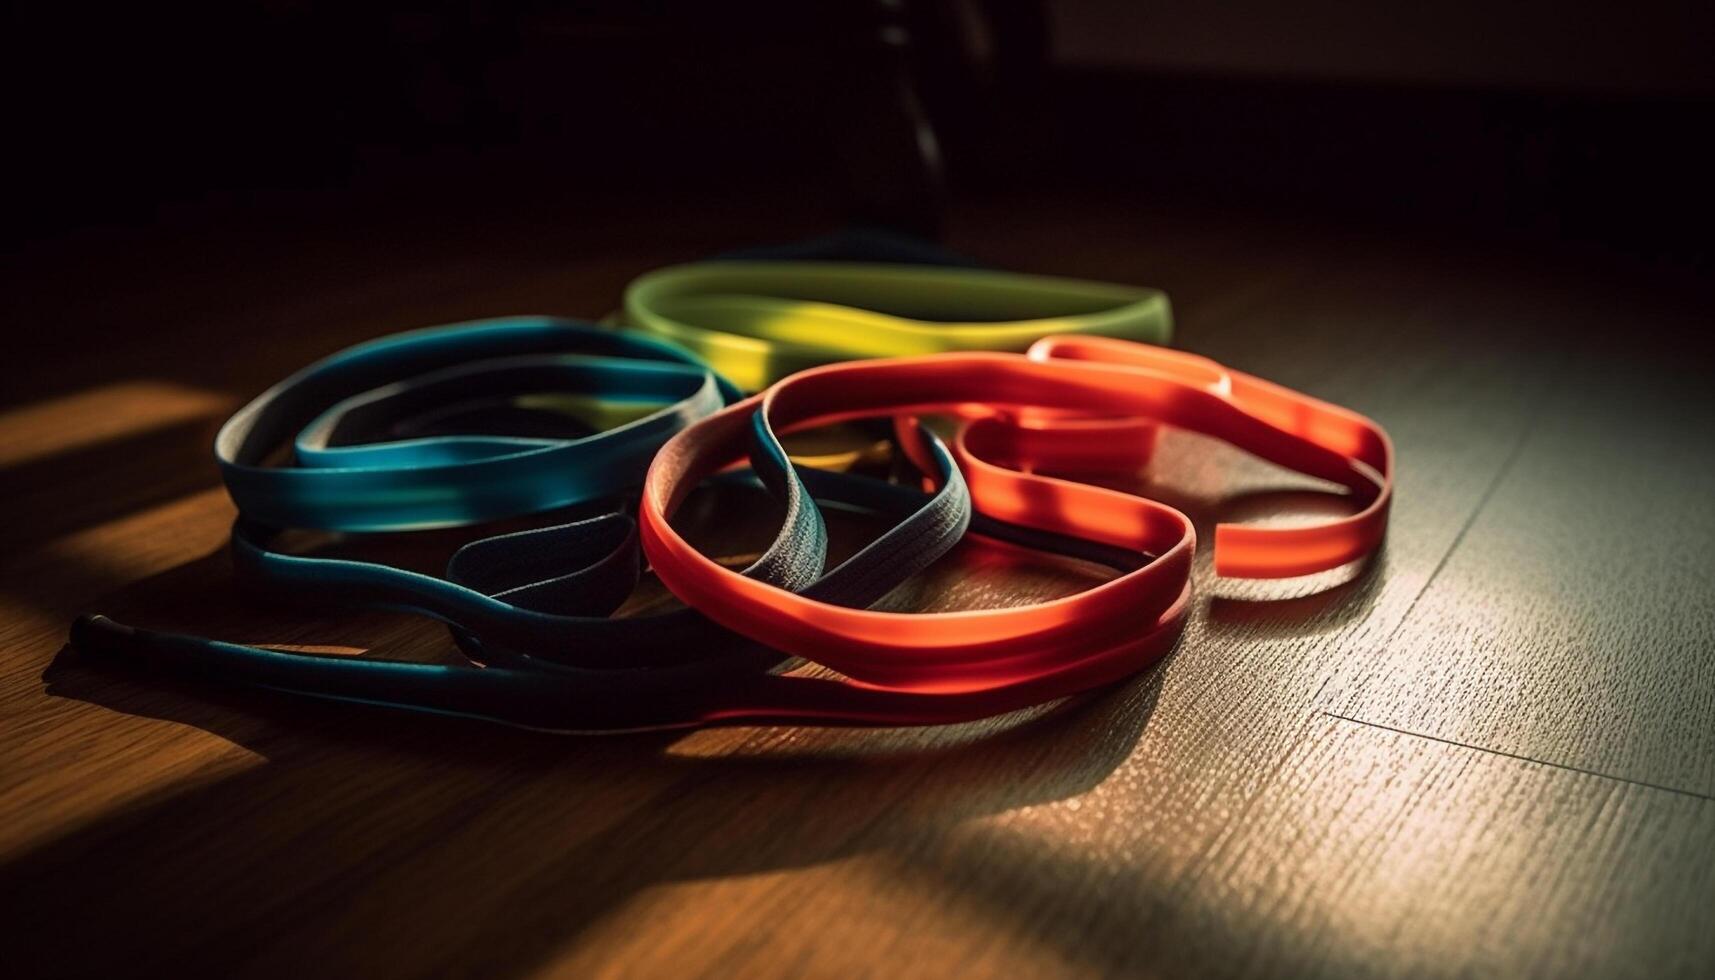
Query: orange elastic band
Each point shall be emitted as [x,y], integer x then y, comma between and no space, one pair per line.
[1014,404]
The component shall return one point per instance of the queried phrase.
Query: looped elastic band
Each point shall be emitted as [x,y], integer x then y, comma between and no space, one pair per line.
[1334,443]
[756,322]
[1066,644]
[352,469]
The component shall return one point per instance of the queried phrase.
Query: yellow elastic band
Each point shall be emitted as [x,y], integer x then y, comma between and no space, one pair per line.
[756,322]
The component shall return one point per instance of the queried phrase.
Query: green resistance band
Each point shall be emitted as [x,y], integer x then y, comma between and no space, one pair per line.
[756,322]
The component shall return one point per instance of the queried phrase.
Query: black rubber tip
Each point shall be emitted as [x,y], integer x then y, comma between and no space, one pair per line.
[97,634]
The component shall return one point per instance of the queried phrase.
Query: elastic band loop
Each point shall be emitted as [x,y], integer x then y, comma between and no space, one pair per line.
[1106,630]
[453,480]
[756,322]
[1242,551]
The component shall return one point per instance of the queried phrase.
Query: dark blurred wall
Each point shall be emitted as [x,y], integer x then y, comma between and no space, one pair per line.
[1585,120]
[113,108]
[1566,46]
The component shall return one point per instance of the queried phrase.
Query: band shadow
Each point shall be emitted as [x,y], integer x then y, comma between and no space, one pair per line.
[502,844]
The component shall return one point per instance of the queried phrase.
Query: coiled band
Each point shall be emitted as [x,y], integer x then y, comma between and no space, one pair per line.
[757,322]
[1101,634]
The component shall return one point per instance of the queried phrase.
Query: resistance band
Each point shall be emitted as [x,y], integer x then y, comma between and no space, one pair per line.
[382,433]
[865,292]
[1029,653]
[756,322]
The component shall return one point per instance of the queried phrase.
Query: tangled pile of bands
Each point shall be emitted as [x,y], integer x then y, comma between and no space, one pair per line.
[481,422]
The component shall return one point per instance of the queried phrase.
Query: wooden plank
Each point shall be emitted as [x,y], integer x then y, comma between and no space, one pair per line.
[1368,853]
[1375,853]
[1573,624]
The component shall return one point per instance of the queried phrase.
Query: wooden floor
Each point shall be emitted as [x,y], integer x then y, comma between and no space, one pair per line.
[1488,752]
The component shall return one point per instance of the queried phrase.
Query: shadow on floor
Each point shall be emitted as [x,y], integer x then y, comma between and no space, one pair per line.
[486,843]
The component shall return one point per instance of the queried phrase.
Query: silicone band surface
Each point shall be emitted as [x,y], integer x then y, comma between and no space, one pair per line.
[334,481]
[1097,635]
[756,322]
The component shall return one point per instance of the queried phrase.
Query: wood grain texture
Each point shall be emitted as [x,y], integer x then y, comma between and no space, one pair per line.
[1376,853]
[1575,622]
[1234,812]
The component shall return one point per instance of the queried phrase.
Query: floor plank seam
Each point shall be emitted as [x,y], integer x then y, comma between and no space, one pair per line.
[1495,483]
[1354,688]
[1645,784]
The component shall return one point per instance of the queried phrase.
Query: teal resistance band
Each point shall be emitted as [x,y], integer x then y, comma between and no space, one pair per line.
[442,480]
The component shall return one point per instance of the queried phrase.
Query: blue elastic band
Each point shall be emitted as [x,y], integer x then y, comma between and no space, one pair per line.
[455,480]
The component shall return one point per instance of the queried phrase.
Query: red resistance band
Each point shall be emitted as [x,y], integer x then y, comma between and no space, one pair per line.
[1060,406]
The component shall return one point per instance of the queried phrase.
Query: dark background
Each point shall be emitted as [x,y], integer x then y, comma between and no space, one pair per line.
[1585,123]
